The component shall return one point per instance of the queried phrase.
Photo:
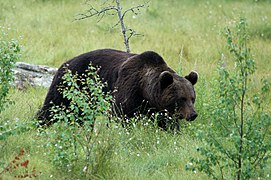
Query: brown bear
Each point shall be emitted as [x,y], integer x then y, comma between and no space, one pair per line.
[135,80]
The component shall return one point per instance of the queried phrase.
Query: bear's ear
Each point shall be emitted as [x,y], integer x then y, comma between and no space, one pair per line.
[192,77]
[166,79]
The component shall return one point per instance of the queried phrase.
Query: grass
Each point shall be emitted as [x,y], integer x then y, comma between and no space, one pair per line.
[188,34]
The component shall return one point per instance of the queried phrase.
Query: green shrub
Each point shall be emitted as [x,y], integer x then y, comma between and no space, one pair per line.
[77,141]
[237,141]
[9,54]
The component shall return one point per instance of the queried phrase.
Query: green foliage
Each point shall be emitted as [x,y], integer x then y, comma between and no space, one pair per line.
[9,54]
[8,129]
[236,142]
[87,100]
[76,135]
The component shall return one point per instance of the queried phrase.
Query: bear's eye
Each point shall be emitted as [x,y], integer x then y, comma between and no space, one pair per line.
[183,99]
[180,103]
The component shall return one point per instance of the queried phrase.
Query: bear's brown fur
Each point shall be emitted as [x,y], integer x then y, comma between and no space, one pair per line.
[136,80]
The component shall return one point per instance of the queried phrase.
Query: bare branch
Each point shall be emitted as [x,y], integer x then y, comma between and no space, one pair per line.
[114,10]
[132,33]
[94,12]
[132,9]
[116,24]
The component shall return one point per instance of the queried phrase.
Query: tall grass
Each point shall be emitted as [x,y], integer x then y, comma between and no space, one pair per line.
[185,33]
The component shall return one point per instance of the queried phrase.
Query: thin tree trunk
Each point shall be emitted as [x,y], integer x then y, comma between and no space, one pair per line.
[124,30]
[241,131]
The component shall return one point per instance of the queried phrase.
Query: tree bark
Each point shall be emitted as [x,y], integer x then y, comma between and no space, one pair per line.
[123,28]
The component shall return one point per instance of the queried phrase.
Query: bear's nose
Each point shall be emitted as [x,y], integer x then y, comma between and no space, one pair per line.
[193,116]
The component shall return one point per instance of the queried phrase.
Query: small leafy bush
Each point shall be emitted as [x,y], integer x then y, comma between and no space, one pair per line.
[87,100]
[237,141]
[9,54]
[77,141]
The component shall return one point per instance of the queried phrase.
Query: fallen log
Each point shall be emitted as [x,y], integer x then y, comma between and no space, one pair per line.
[32,75]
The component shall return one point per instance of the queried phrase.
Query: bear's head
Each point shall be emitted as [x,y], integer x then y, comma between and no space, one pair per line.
[178,94]
[159,86]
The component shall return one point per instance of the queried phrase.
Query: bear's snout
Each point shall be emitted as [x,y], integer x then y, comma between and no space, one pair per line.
[192,116]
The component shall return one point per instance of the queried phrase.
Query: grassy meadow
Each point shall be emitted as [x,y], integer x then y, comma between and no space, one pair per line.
[188,34]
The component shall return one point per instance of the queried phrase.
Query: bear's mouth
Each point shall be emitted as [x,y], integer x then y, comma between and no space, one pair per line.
[190,117]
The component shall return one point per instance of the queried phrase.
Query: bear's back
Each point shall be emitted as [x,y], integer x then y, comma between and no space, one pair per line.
[107,61]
